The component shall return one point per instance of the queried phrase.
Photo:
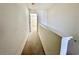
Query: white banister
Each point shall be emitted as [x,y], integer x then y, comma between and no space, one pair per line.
[64,45]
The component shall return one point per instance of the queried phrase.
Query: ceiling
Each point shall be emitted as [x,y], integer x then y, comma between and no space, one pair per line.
[38,6]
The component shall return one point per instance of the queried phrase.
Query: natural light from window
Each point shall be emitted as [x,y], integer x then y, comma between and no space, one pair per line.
[33,22]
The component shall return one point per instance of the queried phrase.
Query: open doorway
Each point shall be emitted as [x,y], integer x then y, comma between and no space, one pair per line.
[33,22]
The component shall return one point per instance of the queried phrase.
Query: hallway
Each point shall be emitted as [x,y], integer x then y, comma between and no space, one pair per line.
[33,45]
[43,42]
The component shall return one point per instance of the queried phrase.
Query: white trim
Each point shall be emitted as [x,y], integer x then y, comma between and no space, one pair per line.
[64,45]
[51,29]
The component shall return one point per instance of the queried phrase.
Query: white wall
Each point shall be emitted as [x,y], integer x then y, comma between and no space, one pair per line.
[13,27]
[75,45]
[62,18]
[50,45]
[42,16]
[51,41]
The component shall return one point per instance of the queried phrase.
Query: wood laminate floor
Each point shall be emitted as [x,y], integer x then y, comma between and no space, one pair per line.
[33,45]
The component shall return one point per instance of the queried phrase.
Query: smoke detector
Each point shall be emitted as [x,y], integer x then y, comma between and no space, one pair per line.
[33,3]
